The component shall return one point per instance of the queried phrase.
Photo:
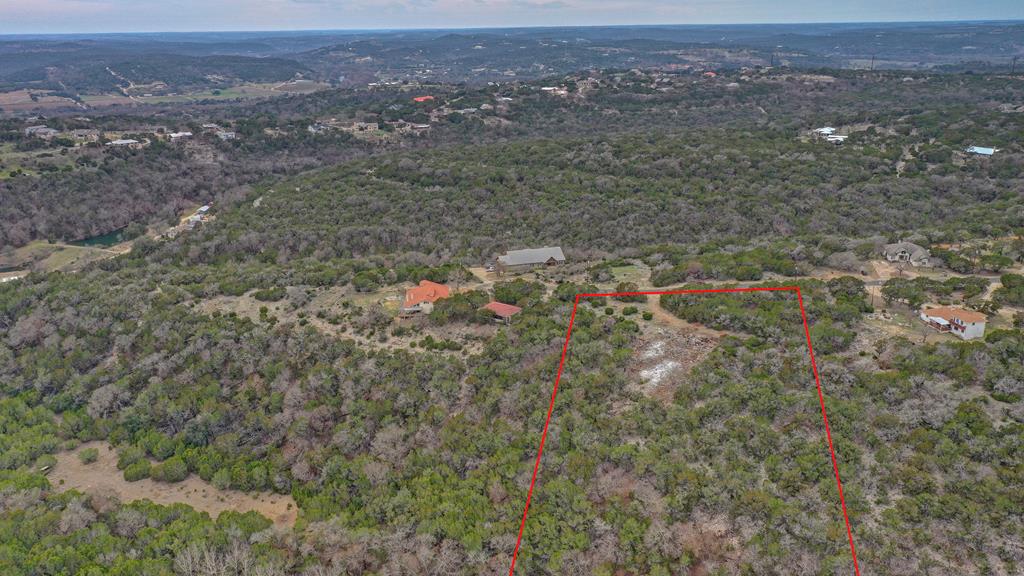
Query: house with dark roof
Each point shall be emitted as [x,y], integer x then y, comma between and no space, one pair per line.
[906,252]
[518,260]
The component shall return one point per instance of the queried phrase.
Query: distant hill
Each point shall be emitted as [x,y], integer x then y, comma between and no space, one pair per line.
[77,64]
[73,68]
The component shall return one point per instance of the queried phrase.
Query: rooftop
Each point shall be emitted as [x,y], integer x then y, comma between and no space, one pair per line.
[503,310]
[427,291]
[948,313]
[981,150]
[532,256]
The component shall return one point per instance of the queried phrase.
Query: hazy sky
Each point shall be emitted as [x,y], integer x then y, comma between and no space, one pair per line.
[45,16]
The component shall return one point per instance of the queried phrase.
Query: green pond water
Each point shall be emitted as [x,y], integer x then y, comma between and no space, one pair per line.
[103,240]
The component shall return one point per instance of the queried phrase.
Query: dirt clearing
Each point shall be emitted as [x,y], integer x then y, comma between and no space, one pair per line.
[664,359]
[103,476]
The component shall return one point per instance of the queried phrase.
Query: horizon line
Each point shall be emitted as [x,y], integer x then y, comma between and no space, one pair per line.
[524,27]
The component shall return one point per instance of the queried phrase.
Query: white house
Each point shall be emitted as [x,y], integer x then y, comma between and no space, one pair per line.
[967,324]
[825,131]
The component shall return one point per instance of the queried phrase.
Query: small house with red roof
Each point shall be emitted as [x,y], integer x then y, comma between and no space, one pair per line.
[421,298]
[502,312]
[422,99]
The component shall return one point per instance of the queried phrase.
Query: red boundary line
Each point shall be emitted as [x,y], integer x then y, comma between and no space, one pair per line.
[814,368]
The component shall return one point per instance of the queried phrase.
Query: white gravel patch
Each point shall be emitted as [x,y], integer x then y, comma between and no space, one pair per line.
[659,372]
[655,350]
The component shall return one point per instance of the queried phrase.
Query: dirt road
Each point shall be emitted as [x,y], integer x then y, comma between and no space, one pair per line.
[669,319]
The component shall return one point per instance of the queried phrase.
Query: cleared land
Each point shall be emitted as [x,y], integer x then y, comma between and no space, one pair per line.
[103,475]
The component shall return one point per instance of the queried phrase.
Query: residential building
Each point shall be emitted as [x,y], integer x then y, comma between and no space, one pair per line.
[44,132]
[421,298]
[86,134]
[906,252]
[176,136]
[967,324]
[502,312]
[530,258]
[226,135]
[981,150]
[125,143]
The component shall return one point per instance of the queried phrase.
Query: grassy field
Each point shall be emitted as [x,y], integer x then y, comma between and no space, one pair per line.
[241,92]
[637,273]
[43,256]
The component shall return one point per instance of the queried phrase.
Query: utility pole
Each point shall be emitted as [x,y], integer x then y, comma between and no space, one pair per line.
[872,62]
[1013,65]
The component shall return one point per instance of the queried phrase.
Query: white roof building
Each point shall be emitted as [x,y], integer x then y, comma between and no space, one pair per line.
[981,150]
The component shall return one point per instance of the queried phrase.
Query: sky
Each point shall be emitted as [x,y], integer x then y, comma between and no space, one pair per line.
[85,16]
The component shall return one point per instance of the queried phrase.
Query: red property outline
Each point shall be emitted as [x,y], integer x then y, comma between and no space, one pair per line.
[814,369]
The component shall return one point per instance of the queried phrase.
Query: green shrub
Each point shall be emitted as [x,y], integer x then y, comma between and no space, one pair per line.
[137,471]
[89,455]
[270,294]
[629,287]
[129,456]
[173,470]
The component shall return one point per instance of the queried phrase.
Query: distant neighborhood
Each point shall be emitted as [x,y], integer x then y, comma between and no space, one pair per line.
[133,138]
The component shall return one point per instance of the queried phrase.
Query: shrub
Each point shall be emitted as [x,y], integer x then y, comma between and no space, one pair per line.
[129,456]
[137,471]
[270,294]
[629,287]
[89,455]
[173,470]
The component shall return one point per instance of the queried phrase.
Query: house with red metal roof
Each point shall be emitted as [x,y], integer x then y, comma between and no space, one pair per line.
[421,298]
[502,312]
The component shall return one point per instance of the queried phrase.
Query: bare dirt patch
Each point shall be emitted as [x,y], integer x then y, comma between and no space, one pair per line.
[664,359]
[102,476]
